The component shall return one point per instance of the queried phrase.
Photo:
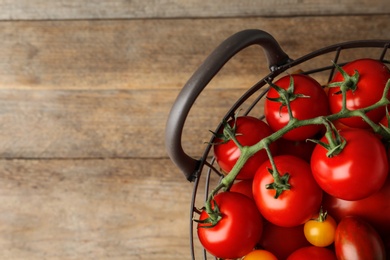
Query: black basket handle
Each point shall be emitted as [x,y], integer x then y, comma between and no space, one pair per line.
[198,81]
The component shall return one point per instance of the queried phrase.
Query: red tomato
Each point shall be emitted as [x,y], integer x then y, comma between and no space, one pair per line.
[250,131]
[358,240]
[374,209]
[244,187]
[293,238]
[239,230]
[276,113]
[313,253]
[373,76]
[302,149]
[357,172]
[294,206]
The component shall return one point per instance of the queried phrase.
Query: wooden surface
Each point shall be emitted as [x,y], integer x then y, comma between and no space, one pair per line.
[85,91]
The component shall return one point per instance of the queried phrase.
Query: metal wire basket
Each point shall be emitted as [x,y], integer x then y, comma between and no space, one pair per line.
[203,171]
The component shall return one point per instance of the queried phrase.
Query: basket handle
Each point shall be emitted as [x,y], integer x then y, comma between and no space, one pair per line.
[198,81]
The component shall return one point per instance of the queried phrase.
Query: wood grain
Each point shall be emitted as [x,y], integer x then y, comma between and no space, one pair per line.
[155,54]
[93,209]
[77,89]
[85,91]
[140,9]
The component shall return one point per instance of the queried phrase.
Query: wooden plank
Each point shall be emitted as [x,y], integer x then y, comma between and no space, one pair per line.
[93,209]
[156,54]
[99,124]
[120,9]
[64,100]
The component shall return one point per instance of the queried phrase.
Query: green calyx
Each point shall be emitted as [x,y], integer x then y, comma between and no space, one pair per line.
[336,142]
[280,183]
[349,82]
[286,96]
[322,215]
[214,216]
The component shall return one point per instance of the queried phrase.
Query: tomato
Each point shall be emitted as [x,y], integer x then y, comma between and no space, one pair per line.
[302,149]
[373,76]
[356,239]
[357,172]
[320,230]
[293,238]
[260,254]
[374,209]
[244,187]
[313,253]
[239,230]
[294,206]
[249,131]
[315,98]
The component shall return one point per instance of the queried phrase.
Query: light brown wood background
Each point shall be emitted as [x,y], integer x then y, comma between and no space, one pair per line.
[85,91]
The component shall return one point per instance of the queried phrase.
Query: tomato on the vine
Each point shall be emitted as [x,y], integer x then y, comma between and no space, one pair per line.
[373,76]
[238,230]
[294,206]
[357,172]
[249,131]
[320,230]
[307,100]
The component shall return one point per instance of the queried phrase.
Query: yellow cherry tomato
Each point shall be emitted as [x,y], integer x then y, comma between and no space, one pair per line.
[320,231]
[260,254]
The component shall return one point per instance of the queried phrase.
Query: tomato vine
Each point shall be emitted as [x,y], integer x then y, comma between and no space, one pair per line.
[334,146]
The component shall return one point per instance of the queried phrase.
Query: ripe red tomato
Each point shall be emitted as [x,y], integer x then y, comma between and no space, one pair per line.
[313,253]
[374,209]
[358,240]
[313,104]
[357,172]
[294,206]
[239,230]
[373,76]
[293,239]
[244,187]
[250,131]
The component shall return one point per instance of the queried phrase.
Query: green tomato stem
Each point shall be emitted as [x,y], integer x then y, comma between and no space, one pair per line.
[248,151]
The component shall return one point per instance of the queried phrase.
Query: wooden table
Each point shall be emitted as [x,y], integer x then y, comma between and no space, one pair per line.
[85,91]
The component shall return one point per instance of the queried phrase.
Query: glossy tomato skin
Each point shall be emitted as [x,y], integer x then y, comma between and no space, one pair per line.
[239,230]
[358,240]
[249,130]
[293,239]
[357,172]
[315,99]
[372,80]
[295,206]
[244,187]
[374,209]
[313,253]
[320,233]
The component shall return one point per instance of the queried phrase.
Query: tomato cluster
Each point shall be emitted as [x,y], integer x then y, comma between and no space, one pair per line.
[311,181]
